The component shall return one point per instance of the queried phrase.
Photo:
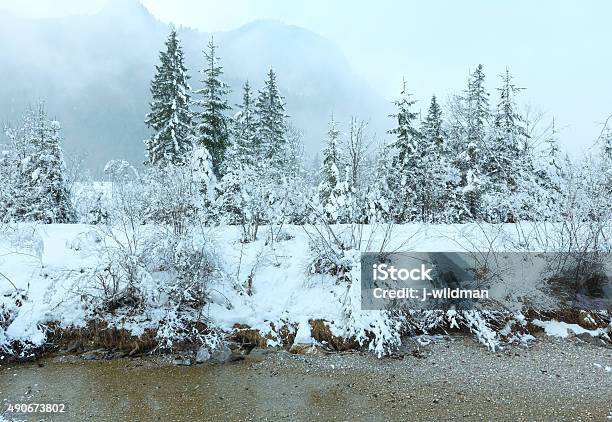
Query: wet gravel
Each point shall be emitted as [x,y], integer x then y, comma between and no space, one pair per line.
[453,378]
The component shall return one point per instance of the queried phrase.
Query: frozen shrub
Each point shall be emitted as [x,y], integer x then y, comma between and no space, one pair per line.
[333,254]
[155,276]
[380,331]
[92,202]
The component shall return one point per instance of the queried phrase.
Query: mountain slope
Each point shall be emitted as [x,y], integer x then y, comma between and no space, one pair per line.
[93,72]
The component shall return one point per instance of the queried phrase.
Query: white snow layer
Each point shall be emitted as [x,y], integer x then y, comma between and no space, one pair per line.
[562,329]
[46,261]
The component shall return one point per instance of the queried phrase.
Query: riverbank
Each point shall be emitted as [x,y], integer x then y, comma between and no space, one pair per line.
[453,378]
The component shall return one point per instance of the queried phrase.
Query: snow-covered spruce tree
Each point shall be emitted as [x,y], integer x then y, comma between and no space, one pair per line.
[7,184]
[297,209]
[552,150]
[212,123]
[201,172]
[42,192]
[332,188]
[506,159]
[472,183]
[469,130]
[509,124]
[403,179]
[54,205]
[523,183]
[273,146]
[170,116]
[437,184]
[271,122]
[239,159]
[229,203]
[13,195]
[433,130]
[478,110]
[244,192]
[245,128]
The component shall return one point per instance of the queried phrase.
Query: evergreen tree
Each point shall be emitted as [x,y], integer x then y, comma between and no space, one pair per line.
[477,108]
[379,194]
[245,128]
[549,173]
[170,116]
[274,166]
[55,203]
[42,193]
[434,167]
[508,122]
[296,209]
[332,193]
[212,128]
[552,148]
[514,186]
[510,145]
[201,169]
[406,153]
[271,122]
[230,203]
[433,131]
[14,195]
[471,120]
[246,192]
[471,184]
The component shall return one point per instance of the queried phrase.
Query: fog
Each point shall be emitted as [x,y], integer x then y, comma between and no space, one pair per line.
[92,61]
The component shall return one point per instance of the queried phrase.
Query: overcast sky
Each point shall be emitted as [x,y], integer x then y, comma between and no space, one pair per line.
[559,50]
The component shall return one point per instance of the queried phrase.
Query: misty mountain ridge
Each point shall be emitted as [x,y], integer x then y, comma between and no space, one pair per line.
[94,71]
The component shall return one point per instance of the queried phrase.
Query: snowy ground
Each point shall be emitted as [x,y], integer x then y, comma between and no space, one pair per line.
[50,264]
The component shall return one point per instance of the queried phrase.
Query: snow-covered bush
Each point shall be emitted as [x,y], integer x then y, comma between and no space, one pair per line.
[187,263]
[241,196]
[580,236]
[10,303]
[149,273]
[91,202]
[379,330]
[21,246]
[336,251]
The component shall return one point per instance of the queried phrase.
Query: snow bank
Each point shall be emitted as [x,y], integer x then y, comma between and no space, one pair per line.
[264,284]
